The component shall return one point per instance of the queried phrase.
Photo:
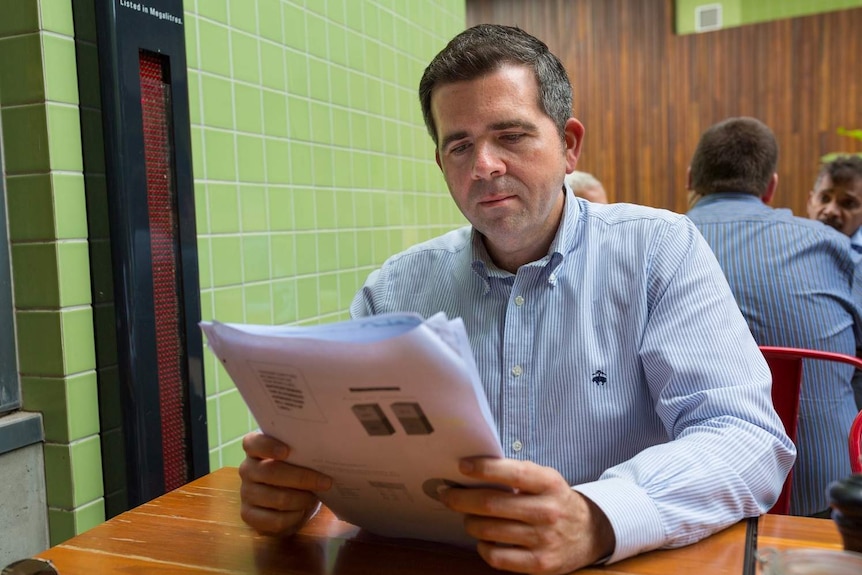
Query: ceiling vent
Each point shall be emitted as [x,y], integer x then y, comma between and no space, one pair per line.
[707,17]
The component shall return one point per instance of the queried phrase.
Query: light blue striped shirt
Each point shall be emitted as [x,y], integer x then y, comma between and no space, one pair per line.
[794,280]
[623,338]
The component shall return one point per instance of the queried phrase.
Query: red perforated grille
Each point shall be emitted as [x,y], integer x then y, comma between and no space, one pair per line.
[164,238]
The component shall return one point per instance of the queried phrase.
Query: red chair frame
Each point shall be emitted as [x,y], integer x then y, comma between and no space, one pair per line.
[854,443]
[786,366]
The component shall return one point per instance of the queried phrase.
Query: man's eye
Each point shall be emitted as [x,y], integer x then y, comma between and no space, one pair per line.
[512,138]
[460,148]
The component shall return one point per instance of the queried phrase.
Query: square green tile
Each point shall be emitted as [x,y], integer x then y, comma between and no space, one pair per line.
[227,261]
[339,91]
[318,80]
[255,258]
[232,454]
[324,169]
[284,308]
[364,248]
[195,106]
[300,164]
[281,211]
[204,263]
[328,293]
[293,22]
[64,137]
[73,262]
[69,406]
[325,210]
[214,47]
[233,417]
[359,131]
[274,114]
[307,297]
[214,9]
[61,524]
[304,207]
[217,101]
[19,17]
[243,15]
[57,16]
[355,49]
[28,126]
[253,207]
[220,155]
[277,161]
[315,28]
[248,108]
[59,481]
[306,254]
[21,70]
[321,123]
[223,207]
[30,204]
[258,304]
[90,515]
[342,177]
[272,66]
[61,70]
[344,214]
[283,255]
[79,348]
[337,44]
[35,271]
[270,20]
[206,305]
[70,206]
[246,61]
[297,72]
[86,455]
[299,118]
[215,458]
[190,28]
[198,158]
[250,158]
[327,251]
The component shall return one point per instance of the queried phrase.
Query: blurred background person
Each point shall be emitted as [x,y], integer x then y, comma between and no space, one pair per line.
[587,186]
[795,283]
[836,199]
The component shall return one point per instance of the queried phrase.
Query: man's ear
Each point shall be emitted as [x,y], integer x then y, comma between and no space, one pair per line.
[688,179]
[437,159]
[574,138]
[766,197]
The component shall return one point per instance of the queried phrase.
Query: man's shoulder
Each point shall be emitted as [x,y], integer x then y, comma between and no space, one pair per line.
[622,213]
[442,247]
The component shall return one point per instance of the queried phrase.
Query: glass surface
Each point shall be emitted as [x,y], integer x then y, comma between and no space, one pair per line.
[809,562]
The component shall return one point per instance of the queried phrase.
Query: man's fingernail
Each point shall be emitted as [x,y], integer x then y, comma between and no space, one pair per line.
[467,466]
[324,483]
[281,453]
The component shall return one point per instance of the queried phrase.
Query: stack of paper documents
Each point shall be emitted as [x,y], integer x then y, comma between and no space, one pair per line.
[385,405]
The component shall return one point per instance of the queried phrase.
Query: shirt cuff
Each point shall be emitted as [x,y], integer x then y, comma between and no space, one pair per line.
[632,513]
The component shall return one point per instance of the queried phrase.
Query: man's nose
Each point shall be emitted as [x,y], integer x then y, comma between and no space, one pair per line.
[487,163]
[830,210]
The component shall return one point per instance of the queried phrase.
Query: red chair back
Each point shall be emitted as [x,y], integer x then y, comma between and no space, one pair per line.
[854,443]
[786,366]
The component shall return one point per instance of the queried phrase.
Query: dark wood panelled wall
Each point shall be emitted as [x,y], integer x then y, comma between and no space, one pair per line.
[645,94]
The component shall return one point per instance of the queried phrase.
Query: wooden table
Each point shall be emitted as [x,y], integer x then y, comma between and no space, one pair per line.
[197,529]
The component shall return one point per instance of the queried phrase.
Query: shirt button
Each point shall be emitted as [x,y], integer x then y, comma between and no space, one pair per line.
[516,371]
[517,445]
[552,278]
[519,301]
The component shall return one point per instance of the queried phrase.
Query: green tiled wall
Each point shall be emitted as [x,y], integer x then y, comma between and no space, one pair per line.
[739,12]
[46,203]
[311,160]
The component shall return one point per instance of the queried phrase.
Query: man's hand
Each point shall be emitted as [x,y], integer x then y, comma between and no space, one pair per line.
[542,527]
[277,497]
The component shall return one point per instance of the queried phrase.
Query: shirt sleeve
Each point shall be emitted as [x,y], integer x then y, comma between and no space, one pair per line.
[728,454]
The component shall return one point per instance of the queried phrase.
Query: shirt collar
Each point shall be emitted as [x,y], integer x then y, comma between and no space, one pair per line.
[710,199]
[563,243]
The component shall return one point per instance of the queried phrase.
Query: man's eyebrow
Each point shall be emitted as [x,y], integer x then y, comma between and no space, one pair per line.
[505,125]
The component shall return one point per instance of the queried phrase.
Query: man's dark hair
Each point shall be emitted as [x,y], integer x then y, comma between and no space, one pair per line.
[734,155]
[483,49]
[843,171]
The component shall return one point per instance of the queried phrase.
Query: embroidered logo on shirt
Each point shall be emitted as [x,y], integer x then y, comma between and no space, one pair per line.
[599,377]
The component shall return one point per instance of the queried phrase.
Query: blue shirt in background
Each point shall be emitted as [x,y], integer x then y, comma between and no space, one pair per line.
[625,336]
[795,282]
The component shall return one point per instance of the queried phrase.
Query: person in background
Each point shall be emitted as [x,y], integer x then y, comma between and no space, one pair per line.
[676,441]
[586,186]
[795,282]
[836,199]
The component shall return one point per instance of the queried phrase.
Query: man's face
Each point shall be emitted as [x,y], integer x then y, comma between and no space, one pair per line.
[839,206]
[504,161]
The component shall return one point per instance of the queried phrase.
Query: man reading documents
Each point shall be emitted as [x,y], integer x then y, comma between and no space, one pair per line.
[632,403]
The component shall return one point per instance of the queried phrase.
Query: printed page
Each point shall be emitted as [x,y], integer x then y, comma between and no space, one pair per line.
[386,408]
